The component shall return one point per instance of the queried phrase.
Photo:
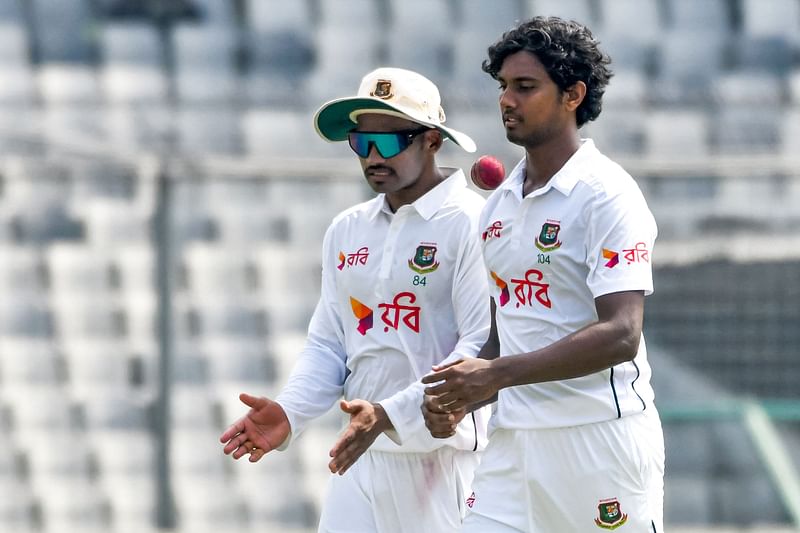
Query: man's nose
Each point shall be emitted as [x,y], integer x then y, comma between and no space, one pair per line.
[373,156]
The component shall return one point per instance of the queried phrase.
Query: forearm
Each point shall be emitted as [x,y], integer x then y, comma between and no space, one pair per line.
[314,385]
[490,350]
[594,348]
[383,422]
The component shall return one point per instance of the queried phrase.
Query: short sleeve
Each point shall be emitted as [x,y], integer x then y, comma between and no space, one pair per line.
[620,236]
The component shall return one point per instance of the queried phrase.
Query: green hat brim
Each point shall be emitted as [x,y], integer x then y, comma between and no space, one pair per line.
[332,120]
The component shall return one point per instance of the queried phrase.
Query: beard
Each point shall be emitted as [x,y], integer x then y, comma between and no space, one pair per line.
[531,138]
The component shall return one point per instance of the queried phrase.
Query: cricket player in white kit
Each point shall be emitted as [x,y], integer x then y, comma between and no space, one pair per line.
[575,440]
[403,288]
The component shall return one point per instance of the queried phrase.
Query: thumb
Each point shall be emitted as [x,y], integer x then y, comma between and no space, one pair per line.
[350,407]
[250,401]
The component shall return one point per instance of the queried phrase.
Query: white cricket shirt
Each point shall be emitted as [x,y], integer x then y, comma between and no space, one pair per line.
[586,233]
[400,292]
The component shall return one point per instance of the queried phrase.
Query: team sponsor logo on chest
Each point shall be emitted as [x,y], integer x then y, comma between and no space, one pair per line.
[359,257]
[424,260]
[397,314]
[547,240]
[493,231]
[609,514]
[528,289]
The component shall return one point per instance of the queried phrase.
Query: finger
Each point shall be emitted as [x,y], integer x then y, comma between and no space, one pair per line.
[438,390]
[234,429]
[243,450]
[433,404]
[236,441]
[440,367]
[441,429]
[443,420]
[443,434]
[348,407]
[343,441]
[256,455]
[346,458]
[456,405]
[436,376]
[451,401]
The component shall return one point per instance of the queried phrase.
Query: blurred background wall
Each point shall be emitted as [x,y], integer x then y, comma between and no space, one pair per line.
[163,197]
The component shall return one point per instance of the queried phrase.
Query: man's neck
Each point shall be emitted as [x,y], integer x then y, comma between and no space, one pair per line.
[545,160]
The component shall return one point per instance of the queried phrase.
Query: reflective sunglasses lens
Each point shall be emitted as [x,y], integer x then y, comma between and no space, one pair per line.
[387,144]
[359,142]
[390,144]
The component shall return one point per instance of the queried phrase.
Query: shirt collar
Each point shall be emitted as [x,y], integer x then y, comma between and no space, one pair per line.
[564,180]
[429,203]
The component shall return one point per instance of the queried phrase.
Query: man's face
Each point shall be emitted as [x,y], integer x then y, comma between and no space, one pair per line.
[532,105]
[401,171]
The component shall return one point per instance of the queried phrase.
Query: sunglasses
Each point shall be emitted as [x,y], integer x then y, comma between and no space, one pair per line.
[388,144]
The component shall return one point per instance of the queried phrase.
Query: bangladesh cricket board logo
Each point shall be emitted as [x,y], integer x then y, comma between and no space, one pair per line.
[383,89]
[547,240]
[424,260]
[610,515]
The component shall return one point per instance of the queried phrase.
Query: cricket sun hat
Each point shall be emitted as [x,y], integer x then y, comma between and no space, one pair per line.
[388,91]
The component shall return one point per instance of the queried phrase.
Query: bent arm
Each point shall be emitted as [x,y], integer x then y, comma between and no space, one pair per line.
[611,340]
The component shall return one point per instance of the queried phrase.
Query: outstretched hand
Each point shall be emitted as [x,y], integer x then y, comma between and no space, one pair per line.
[367,422]
[261,430]
[460,384]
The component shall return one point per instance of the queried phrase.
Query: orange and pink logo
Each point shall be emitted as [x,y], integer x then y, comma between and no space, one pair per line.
[359,257]
[612,256]
[363,314]
[503,286]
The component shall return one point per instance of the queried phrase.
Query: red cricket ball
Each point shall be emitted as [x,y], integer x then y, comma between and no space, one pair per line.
[487,173]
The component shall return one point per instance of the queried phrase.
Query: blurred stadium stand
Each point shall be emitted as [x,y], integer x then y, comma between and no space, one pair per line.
[159,169]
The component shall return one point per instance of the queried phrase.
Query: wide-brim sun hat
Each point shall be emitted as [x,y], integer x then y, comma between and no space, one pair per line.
[388,91]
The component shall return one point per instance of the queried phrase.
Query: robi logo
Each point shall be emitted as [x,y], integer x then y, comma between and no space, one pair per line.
[471,500]
[612,256]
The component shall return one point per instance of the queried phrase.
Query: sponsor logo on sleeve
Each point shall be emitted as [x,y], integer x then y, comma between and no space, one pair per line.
[636,254]
[612,256]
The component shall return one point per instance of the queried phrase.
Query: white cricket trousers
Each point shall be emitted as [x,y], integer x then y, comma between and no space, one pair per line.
[400,493]
[597,477]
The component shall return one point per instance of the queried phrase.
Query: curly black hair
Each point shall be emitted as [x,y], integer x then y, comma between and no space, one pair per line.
[569,53]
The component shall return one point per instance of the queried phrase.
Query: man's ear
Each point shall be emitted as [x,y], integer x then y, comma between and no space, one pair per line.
[433,140]
[573,96]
